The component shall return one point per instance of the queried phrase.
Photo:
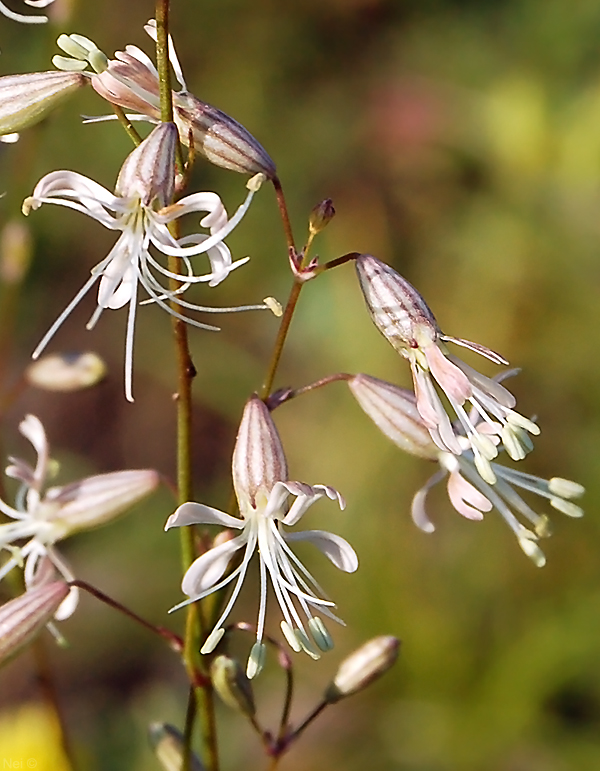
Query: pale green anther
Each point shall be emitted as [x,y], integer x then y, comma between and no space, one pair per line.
[511,440]
[83,50]
[98,60]
[565,488]
[320,634]
[83,41]
[66,64]
[543,528]
[484,467]
[533,551]
[306,644]
[518,420]
[290,636]
[256,660]
[212,640]
[71,46]
[568,508]
[485,445]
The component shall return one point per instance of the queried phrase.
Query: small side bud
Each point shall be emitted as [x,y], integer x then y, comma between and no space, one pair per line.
[219,138]
[362,667]
[15,253]
[321,216]
[232,685]
[22,618]
[66,372]
[167,743]
[26,99]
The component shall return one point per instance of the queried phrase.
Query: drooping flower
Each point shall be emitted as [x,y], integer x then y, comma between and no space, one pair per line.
[405,320]
[26,18]
[394,411]
[130,80]
[262,488]
[43,516]
[140,210]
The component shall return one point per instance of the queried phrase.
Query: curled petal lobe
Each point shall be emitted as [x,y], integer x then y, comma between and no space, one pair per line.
[465,498]
[333,546]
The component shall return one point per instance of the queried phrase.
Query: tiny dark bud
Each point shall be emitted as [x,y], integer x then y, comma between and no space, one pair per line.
[321,216]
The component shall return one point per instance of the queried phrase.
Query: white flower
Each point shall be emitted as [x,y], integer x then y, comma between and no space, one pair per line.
[262,489]
[405,320]
[27,19]
[44,517]
[139,210]
[395,412]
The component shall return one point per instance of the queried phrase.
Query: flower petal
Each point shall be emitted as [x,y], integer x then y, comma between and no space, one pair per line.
[333,546]
[209,567]
[465,498]
[198,514]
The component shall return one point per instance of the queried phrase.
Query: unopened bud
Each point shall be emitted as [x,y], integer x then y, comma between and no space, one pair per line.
[22,618]
[26,99]
[98,499]
[219,138]
[321,216]
[258,458]
[362,667]
[66,372]
[168,745]
[15,252]
[394,412]
[232,685]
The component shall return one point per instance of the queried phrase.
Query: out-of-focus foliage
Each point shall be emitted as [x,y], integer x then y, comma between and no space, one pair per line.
[460,142]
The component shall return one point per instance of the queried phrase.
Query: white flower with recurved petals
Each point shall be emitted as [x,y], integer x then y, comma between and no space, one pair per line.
[26,19]
[262,489]
[139,209]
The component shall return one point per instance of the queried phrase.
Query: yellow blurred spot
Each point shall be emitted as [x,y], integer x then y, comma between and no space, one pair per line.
[30,739]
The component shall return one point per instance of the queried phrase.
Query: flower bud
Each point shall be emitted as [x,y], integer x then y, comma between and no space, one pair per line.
[22,618]
[362,667]
[15,252]
[258,459]
[96,500]
[394,411]
[321,216]
[232,685]
[219,138]
[65,372]
[167,743]
[149,171]
[27,99]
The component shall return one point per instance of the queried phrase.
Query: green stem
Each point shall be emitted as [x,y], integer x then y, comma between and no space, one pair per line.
[195,623]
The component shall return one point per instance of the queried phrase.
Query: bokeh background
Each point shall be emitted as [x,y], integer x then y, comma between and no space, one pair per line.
[460,142]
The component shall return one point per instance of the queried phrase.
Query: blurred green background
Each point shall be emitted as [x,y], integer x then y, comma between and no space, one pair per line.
[460,142]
